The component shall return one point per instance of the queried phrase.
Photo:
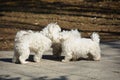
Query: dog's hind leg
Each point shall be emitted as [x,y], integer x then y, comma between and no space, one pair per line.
[15,57]
[96,56]
[24,55]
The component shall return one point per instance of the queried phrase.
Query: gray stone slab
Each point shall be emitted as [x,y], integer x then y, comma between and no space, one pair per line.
[50,69]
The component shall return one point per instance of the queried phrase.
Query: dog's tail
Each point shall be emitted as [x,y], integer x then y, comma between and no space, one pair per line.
[95,37]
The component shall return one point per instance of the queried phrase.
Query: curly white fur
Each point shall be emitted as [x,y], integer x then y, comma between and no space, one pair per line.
[57,47]
[76,47]
[64,35]
[52,32]
[26,41]
[37,42]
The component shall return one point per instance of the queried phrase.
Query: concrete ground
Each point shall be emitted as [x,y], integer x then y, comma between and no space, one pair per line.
[50,69]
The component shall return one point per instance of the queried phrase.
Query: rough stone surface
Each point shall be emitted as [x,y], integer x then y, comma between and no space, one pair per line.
[51,69]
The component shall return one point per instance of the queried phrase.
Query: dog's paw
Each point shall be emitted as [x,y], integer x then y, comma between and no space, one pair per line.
[25,62]
[65,60]
[96,59]
[37,61]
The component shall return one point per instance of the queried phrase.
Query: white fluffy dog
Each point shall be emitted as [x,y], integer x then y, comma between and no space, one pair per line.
[75,47]
[26,41]
[57,47]
[37,42]
[52,31]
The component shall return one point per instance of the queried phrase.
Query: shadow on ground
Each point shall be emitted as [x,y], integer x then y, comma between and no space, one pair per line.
[47,57]
[6,60]
[8,77]
[46,78]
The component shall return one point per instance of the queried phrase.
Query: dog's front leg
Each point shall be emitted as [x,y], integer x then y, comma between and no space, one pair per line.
[38,56]
[68,57]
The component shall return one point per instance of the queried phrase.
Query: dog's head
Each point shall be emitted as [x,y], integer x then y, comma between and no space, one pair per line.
[52,31]
[64,35]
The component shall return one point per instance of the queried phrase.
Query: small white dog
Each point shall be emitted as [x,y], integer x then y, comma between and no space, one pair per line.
[52,31]
[57,47]
[36,41]
[26,41]
[76,47]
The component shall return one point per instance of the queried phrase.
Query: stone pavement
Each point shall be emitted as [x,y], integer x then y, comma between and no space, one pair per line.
[50,69]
